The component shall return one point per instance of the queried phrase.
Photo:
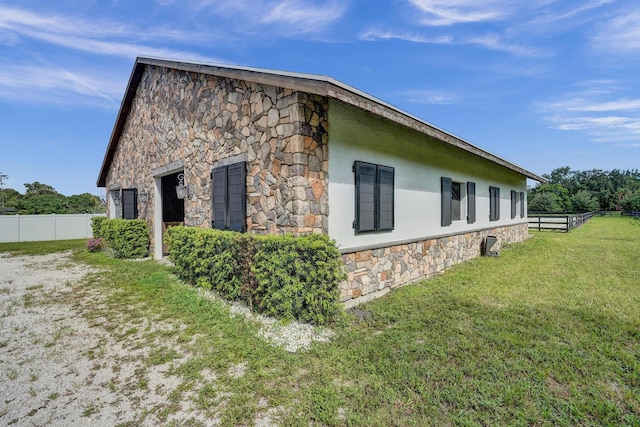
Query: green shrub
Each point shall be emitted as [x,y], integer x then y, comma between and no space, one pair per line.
[127,238]
[284,276]
[96,226]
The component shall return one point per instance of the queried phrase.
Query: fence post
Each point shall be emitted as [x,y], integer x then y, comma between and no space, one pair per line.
[567,223]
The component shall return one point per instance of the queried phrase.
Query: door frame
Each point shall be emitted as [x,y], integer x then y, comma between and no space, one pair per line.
[170,169]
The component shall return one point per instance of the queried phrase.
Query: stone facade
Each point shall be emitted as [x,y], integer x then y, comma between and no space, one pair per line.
[199,121]
[192,122]
[374,272]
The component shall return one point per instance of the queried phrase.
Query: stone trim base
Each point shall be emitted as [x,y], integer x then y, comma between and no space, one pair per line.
[373,272]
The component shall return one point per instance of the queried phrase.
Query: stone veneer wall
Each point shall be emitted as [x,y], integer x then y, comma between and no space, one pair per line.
[374,272]
[203,120]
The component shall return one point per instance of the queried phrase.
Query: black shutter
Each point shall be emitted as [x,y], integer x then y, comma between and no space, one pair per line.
[236,197]
[514,203]
[522,204]
[219,197]
[471,202]
[494,203]
[446,201]
[365,196]
[129,203]
[385,198]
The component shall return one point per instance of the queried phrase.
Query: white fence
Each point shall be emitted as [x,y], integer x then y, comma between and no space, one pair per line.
[31,228]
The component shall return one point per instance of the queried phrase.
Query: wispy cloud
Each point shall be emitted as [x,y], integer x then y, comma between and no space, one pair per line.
[434,97]
[450,12]
[59,85]
[105,38]
[304,16]
[620,34]
[492,41]
[599,112]
[283,17]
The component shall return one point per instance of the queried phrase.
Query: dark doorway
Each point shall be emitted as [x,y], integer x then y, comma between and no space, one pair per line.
[172,207]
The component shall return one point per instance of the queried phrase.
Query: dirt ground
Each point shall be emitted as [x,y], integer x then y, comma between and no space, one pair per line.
[57,369]
[66,359]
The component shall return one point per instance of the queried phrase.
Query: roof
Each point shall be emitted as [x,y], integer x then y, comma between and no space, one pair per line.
[310,83]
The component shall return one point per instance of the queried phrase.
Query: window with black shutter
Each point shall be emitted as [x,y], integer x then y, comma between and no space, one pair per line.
[451,197]
[129,200]
[471,202]
[445,206]
[374,197]
[514,203]
[494,203]
[229,197]
[522,204]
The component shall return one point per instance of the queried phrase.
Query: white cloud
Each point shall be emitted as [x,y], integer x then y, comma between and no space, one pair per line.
[450,12]
[104,38]
[306,17]
[59,85]
[620,34]
[437,97]
[374,34]
[597,111]
[283,17]
[489,41]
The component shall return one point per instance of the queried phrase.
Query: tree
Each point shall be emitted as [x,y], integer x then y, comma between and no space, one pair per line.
[557,200]
[583,201]
[39,188]
[3,177]
[85,203]
[545,202]
[631,203]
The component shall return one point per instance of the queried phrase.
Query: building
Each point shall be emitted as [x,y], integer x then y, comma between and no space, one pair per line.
[272,152]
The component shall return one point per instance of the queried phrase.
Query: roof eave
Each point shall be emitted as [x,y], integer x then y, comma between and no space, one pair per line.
[123,112]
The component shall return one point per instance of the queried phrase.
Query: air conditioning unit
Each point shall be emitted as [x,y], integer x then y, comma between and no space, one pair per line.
[488,244]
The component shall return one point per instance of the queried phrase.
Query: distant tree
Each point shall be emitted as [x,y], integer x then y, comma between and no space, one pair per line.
[3,177]
[85,203]
[583,201]
[11,197]
[631,203]
[39,188]
[559,202]
[545,202]
[47,203]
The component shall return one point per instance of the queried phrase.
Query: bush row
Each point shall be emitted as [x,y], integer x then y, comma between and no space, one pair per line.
[283,276]
[127,238]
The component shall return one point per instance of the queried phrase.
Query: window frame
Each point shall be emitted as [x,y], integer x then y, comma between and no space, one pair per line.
[494,203]
[522,205]
[378,195]
[450,207]
[471,202]
[229,197]
[129,203]
[514,204]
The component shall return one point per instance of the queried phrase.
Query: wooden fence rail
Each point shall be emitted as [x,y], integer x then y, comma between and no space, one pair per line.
[558,222]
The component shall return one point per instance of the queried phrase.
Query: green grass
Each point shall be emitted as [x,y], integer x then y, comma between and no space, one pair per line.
[42,248]
[548,333]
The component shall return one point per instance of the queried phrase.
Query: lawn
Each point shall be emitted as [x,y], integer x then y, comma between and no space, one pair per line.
[548,333]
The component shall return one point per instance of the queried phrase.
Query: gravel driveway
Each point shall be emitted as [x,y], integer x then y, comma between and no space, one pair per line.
[67,359]
[58,369]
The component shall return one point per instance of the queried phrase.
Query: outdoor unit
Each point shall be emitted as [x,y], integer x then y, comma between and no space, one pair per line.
[487,246]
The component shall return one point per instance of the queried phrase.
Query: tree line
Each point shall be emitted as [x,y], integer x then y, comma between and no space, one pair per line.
[586,191]
[41,198]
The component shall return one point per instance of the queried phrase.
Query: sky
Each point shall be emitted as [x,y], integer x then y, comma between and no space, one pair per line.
[541,83]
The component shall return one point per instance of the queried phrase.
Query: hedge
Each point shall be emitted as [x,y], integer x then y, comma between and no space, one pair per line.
[280,275]
[96,226]
[127,238]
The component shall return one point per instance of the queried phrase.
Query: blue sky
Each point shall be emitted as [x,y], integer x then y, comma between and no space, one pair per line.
[542,83]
